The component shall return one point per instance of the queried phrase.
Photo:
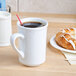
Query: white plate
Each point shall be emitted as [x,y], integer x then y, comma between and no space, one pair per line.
[55,45]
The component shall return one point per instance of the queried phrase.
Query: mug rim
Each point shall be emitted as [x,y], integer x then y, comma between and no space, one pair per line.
[4,14]
[32,19]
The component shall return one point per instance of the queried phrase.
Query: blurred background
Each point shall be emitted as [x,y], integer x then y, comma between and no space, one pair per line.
[43,6]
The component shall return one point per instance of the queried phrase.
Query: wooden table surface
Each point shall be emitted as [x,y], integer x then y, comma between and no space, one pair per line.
[55,64]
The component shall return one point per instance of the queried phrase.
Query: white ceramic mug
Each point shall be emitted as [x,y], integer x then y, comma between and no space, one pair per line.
[5,28]
[32,42]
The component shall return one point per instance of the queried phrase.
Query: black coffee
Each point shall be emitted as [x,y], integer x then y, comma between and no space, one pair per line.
[32,24]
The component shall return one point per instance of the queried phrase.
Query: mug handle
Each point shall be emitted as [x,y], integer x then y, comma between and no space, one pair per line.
[12,40]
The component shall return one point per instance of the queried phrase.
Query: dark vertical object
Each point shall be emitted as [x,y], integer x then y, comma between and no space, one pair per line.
[9,9]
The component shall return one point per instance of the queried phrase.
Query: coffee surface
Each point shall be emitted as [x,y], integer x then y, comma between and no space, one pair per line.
[32,24]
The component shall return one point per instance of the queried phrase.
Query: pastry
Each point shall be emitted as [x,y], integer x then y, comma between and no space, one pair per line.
[66,38]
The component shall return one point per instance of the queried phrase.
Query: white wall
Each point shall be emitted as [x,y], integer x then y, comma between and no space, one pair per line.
[44,6]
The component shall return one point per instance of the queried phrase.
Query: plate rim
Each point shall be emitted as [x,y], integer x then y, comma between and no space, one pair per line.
[55,45]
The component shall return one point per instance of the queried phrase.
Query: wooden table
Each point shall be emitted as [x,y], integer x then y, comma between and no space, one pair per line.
[55,64]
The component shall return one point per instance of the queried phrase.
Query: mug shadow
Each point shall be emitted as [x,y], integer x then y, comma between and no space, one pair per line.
[11,59]
[8,60]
